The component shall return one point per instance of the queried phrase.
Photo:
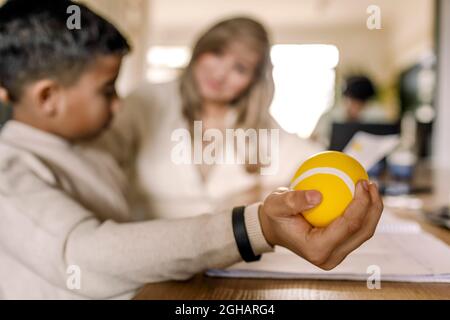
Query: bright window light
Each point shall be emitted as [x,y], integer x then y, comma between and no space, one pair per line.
[165,62]
[304,78]
[169,57]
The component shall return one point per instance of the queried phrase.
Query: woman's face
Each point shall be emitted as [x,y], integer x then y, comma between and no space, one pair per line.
[222,76]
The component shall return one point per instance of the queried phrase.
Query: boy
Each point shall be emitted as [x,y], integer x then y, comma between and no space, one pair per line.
[62,212]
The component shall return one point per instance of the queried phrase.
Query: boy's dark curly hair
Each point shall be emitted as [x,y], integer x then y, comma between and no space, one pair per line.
[36,43]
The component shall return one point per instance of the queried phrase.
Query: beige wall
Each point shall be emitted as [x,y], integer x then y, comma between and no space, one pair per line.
[412,33]
[132,18]
[406,36]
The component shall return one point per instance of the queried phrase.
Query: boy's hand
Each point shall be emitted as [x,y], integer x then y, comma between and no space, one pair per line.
[283,224]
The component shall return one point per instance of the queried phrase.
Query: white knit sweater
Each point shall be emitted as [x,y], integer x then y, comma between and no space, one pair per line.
[61,206]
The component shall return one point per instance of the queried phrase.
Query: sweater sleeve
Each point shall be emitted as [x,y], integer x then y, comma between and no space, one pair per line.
[47,231]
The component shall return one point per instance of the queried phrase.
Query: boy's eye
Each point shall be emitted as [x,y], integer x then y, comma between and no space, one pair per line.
[218,52]
[110,92]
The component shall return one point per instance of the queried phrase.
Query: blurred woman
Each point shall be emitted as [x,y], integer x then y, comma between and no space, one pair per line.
[227,84]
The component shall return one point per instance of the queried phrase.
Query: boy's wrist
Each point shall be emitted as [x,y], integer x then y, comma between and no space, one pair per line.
[266,226]
[259,242]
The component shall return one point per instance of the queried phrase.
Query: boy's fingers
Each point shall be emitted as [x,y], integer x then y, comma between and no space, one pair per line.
[297,202]
[326,247]
[357,209]
[365,233]
[346,225]
[375,196]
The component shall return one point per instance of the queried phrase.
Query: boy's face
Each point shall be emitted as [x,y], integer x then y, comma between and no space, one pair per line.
[86,108]
[78,111]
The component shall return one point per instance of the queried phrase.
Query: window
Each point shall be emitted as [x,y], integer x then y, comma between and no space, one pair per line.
[304,78]
[165,62]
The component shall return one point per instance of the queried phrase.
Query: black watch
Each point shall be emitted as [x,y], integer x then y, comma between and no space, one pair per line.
[241,235]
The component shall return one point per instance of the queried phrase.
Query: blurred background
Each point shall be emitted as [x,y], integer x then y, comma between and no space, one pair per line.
[316,44]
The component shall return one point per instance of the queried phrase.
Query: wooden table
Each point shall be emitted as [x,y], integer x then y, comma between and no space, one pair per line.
[203,287]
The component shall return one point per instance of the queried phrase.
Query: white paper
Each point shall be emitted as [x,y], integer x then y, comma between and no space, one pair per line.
[399,248]
[369,149]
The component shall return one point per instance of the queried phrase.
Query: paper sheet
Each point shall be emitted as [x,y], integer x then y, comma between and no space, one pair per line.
[369,149]
[399,248]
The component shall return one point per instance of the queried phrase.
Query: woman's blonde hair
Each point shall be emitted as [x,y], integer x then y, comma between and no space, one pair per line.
[252,106]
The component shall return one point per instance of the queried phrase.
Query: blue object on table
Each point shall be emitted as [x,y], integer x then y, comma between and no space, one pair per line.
[376,169]
[401,171]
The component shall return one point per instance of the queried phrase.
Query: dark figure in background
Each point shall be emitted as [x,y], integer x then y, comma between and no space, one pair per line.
[358,104]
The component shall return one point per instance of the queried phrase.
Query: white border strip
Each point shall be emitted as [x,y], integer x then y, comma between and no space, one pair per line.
[327,170]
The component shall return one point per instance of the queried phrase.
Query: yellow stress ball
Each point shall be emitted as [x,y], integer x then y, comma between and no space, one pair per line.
[335,175]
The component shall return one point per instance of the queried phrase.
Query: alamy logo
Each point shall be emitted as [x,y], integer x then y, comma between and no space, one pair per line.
[374,279]
[374,20]
[74,20]
[236,146]
[74,277]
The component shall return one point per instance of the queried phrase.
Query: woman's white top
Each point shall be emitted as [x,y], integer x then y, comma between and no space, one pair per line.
[143,137]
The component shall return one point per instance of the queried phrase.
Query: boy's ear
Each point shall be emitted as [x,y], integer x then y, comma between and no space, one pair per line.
[45,95]
[4,97]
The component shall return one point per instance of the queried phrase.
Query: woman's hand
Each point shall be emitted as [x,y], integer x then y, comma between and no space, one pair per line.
[283,224]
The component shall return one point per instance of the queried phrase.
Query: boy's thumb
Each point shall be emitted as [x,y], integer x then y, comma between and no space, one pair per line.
[302,200]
